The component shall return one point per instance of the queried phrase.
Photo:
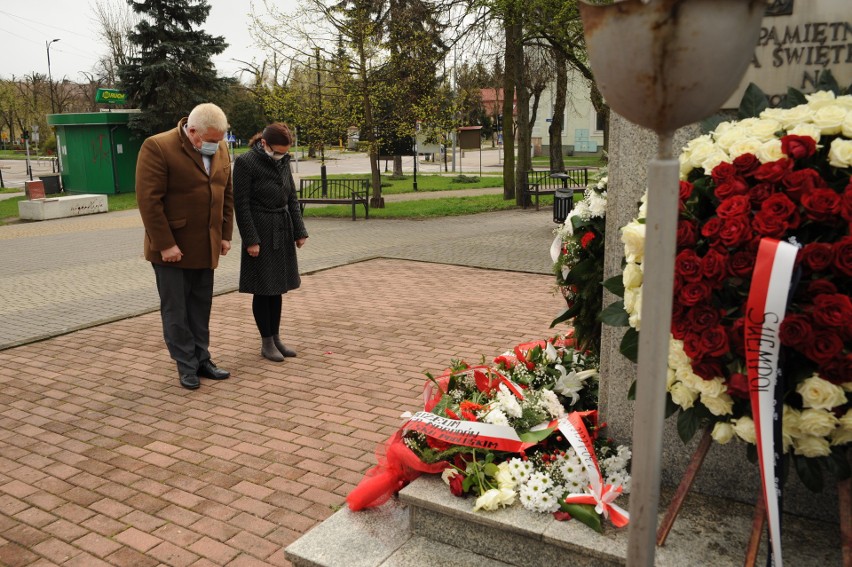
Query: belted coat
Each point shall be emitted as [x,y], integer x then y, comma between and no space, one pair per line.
[180,202]
[268,213]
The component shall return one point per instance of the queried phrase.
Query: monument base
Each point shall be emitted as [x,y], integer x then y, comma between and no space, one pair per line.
[61,207]
[427,525]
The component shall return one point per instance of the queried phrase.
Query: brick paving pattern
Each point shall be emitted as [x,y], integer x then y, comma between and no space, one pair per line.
[106,460]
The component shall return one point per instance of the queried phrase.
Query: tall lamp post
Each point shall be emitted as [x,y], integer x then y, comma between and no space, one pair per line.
[49,76]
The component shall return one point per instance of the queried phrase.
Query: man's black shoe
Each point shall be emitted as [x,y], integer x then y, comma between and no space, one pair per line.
[189,381]
[208,370]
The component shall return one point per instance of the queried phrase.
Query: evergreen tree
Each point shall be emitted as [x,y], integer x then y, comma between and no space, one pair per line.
[172,71]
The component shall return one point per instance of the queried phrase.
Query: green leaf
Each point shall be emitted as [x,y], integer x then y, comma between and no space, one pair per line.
[838,464]
[709,124]
[536,436]
[687,424]
[794,98]
[827,82]
[491,469]
[629,346]
[809,473]
[631,392]
[567,314]
[671,407]
[754,102]
[615,315]
[584,513]
[615,285]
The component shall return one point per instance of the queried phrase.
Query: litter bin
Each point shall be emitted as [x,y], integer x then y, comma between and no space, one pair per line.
[563,202]
[51,183]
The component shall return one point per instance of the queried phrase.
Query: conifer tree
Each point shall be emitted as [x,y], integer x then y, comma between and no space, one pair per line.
[172,70]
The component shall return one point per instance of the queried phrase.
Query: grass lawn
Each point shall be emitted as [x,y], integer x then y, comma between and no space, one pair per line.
[426,208]
[432,182]
[120,202]
[570,161]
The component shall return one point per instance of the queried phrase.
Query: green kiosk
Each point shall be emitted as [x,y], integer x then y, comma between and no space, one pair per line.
[97,152]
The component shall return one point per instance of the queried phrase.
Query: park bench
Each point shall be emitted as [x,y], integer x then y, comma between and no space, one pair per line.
[336,192]
[546,183]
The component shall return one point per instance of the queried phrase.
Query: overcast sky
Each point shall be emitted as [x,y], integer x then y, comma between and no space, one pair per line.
[25,26]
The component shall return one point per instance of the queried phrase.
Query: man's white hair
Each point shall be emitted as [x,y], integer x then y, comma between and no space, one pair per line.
[207,115]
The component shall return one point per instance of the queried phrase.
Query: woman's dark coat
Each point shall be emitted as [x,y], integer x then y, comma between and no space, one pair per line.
[268,213]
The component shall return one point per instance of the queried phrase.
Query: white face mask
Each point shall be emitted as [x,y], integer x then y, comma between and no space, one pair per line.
[208,148]
[271,153]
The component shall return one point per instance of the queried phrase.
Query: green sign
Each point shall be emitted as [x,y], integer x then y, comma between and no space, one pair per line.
[111,96]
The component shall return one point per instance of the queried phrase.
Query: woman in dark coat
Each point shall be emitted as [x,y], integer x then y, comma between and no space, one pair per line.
[271,227]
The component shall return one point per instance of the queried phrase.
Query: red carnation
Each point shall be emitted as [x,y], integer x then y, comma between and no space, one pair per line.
[816,256]
[587,239]
[843,256]
[738,385]
[821,205]
[457,485]
[798,147]
[774,171]
[795,330]
[746,164]
[832,310]
[688,265]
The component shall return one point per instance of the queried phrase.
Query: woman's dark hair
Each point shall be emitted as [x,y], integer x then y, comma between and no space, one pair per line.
[276,134]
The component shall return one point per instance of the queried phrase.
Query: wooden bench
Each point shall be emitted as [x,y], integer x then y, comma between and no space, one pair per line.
[546,183]
[336,192]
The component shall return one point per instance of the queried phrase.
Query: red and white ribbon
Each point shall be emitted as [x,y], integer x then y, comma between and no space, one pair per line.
[467,433]
[767,303]
[598,494]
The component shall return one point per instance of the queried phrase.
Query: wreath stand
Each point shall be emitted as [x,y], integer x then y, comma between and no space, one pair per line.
[844,500]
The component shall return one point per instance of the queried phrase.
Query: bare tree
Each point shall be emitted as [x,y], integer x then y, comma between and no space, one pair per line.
[115,19]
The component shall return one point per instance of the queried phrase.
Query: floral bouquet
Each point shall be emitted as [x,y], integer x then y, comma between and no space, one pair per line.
[784,175]
[578,258]
[503,433]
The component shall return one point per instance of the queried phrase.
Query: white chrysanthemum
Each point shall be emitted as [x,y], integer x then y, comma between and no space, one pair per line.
[520,470]
[495,417]
[597,205]
[551,404]
[620,478]
[508,403]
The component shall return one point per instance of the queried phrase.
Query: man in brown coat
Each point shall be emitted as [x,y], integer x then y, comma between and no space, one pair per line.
[186,199]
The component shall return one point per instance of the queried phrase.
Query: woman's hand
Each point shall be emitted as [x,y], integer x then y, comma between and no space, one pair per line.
[300,242]
[253,250]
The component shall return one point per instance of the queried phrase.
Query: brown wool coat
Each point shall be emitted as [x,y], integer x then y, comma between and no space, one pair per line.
[180,202]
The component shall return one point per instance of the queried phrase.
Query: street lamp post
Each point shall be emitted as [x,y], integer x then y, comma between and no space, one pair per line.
[49,76]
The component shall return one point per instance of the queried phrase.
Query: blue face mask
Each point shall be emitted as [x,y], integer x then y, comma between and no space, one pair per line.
[209,148]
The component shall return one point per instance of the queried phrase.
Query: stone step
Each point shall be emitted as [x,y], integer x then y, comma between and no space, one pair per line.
[427,525]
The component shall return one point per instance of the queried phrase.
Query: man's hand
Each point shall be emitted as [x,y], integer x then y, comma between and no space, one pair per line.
[300,242]
[253,250]
[226,247]
[172,254]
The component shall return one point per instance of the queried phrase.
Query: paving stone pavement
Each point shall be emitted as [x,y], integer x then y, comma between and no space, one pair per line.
[106,460]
